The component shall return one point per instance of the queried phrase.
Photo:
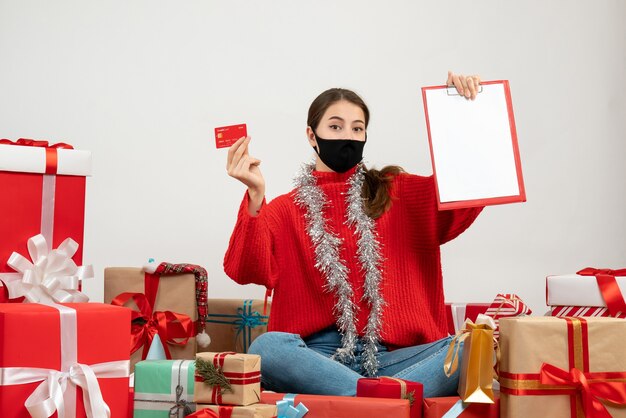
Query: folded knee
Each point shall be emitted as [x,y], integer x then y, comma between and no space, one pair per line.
[273,342]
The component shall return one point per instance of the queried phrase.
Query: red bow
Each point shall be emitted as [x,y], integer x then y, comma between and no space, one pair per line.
[34,143]
[169,325]
[203,413]
[591,390]
[51,150]
[609,288]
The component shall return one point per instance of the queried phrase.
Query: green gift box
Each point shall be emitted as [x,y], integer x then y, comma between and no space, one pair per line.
[164,388]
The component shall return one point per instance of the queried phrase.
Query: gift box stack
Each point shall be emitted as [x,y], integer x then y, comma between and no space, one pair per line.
[41,236]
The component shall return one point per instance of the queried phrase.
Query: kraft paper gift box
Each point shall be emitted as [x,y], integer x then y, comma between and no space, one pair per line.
[233,324]
[391,387]
[439,407]
[69,350]
[164,388]
[321,406]
[562,367]
[258,410]
[174,293]
[227,378]
[43,192]
[589,292]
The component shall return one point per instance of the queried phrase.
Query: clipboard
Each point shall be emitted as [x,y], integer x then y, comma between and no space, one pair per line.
[473,146]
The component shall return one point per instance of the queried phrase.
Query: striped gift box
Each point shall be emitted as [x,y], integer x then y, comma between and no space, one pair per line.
[585,311]
[506,305]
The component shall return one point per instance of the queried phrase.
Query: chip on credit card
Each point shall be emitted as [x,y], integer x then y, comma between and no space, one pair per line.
[226,136]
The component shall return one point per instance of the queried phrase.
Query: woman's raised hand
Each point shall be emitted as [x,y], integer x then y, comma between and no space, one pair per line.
[245,168]
[466,85]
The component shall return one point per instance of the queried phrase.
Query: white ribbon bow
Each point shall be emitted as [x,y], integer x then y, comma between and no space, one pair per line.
[52,276]
[48,397]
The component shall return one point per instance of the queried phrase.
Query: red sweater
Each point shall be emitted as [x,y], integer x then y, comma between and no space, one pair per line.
[274,250]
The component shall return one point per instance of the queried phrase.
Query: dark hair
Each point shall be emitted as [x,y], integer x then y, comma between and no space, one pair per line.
[377,182]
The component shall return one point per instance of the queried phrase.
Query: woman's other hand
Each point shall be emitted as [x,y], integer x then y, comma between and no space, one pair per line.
[466,85]
[245,168]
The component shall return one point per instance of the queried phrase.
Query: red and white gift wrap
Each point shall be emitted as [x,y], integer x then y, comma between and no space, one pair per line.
[457,313]
[43,192]
[52,361]
[589,292]
[505,305]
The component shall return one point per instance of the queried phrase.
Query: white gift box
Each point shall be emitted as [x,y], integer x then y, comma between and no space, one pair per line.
[577,290]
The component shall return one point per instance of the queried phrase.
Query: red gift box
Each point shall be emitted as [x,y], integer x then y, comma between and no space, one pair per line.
[457,313]
[76,344]
[438,407]
[321,406]
[43,191]
[390,387]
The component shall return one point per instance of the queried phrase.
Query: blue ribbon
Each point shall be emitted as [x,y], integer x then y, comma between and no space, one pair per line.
[244,321]
[456,409]
[287,410]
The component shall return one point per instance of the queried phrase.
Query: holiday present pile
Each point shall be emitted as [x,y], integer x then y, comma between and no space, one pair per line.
[170,300]
[589,292]
[234,323]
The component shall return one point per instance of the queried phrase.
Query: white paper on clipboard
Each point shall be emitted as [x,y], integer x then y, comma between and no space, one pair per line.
[474,146]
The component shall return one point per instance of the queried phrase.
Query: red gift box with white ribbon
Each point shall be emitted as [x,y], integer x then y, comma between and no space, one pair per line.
[62,360]
[43,192]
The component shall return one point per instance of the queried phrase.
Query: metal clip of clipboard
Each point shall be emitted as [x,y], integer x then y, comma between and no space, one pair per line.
[452,91]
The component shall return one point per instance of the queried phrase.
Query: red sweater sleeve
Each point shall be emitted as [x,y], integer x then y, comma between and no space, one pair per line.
[451,223]
[249,258]
[420,195]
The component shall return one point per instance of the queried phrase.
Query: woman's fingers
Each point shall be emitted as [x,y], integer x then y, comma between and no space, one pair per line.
[232,150]
[466,86]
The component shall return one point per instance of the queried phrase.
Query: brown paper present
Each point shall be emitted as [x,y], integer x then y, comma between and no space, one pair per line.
[477,361]
[562,367]
[259,410]
[233,324]
[227,378]
[176,293]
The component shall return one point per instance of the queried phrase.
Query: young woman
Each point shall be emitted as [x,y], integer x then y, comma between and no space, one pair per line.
[352,255]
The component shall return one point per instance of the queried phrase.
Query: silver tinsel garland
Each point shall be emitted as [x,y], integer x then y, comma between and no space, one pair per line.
[326,245]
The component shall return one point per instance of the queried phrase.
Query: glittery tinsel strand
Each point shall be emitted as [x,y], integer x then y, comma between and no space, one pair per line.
[328,262]
[370,259]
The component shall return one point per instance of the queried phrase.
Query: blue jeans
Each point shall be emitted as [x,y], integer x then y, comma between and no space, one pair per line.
[291,364]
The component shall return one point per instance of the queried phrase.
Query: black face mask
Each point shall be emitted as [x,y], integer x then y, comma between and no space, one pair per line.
[340,155]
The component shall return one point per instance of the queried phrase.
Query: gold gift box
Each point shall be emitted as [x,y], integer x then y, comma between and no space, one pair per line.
[243,372]
[177,293]
[570,344]
[258,410]
[233,324]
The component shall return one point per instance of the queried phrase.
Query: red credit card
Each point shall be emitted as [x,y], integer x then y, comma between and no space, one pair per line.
[226,136]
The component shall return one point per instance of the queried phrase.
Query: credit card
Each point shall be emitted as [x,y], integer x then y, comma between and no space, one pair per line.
[226,136]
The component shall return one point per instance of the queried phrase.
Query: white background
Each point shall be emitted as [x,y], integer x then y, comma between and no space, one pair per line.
[143,83]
